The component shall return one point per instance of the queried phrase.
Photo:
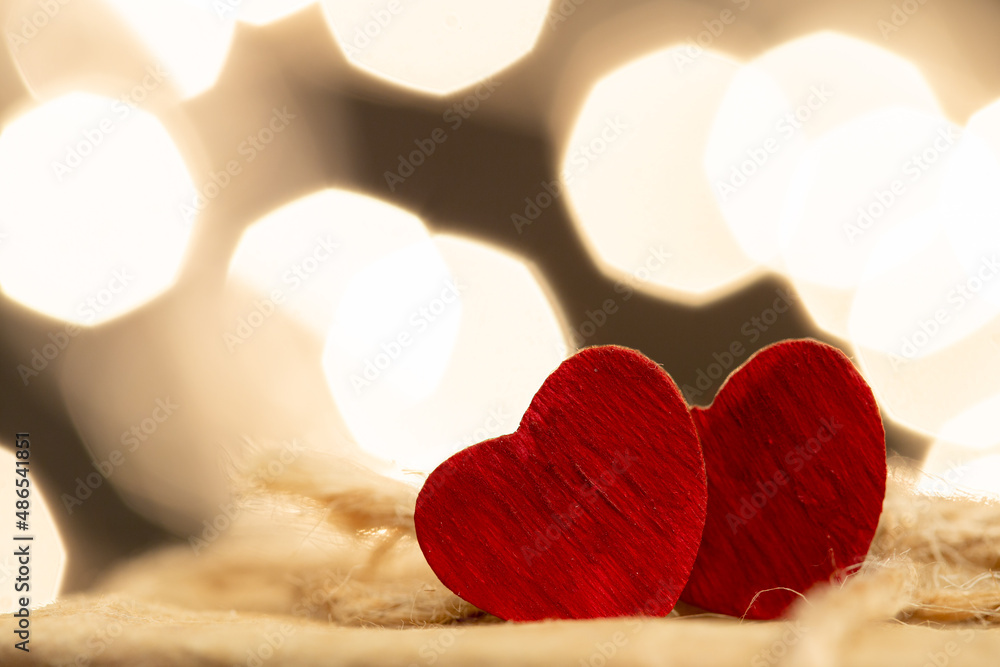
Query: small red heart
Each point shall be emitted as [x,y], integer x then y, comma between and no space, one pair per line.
[592,508]
[795,453]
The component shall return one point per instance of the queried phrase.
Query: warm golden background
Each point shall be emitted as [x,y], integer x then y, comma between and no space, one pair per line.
[535,287]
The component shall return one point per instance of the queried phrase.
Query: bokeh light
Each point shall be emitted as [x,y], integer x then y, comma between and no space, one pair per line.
[966,456]
[163,48]
[435,46]
[462,337]
[784,99]
[971,202]
[752,152]
[927,391]
[632,171]
[917,298]
[257,12]
[700,156]
[846,77]
[189,40]
[145,51]
[232,369]
[90,204]
[303,255]
[431,342]
[874,177]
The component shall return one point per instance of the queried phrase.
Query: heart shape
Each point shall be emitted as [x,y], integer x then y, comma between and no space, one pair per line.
[593,508]
[795,453]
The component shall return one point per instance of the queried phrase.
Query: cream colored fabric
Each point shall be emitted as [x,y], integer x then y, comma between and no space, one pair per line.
[322,568]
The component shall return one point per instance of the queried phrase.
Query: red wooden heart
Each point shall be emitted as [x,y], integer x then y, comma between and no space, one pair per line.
[795,453]
[592,508]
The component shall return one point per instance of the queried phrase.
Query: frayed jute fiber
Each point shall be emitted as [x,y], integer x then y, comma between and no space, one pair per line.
[320,566]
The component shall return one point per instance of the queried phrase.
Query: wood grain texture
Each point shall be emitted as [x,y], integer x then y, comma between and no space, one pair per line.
[593,508]
[795,453]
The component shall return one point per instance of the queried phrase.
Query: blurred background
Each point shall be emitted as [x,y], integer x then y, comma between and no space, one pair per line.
[239,229]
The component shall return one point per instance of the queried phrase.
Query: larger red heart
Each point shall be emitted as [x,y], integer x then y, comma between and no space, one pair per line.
[795,453]
[592,508]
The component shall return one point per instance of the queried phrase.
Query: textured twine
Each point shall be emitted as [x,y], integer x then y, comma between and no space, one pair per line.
[321,566]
